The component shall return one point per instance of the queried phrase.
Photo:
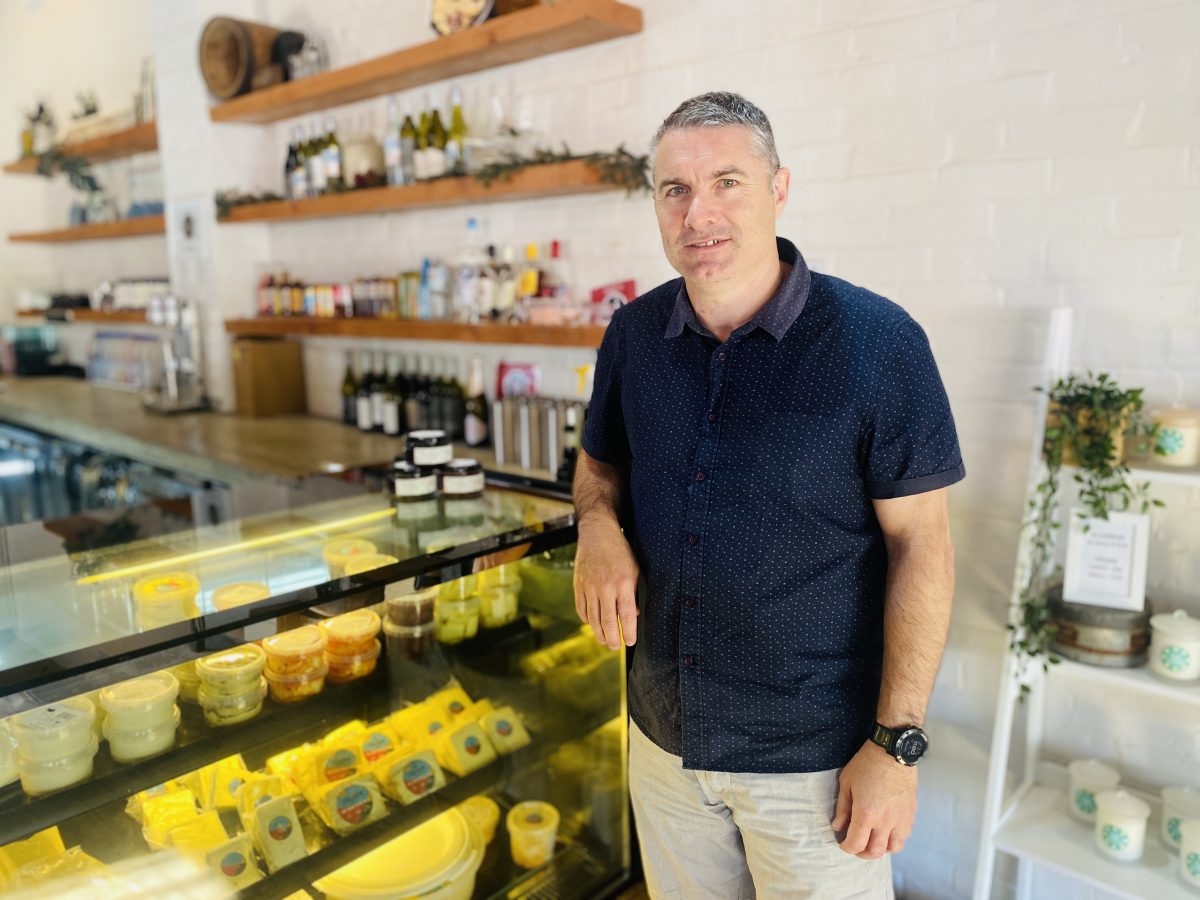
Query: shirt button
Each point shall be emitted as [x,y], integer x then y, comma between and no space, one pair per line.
[689,661]
[689,602]
[712,418]
[693,538]
[700,476]
[721,357]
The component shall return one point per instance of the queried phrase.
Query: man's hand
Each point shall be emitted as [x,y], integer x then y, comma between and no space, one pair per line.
[606,576]
[877,800]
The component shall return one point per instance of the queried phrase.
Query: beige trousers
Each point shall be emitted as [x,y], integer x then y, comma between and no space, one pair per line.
[732,836]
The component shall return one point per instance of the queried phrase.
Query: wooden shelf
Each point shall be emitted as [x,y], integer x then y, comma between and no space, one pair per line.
[143,225]
[549,180]
[408,329]
[138,139]
[526,34]
[116,316]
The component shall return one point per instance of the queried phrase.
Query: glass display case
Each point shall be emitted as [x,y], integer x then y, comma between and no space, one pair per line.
[313,687]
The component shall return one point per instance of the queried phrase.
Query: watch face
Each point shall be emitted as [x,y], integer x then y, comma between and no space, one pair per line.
[912,746]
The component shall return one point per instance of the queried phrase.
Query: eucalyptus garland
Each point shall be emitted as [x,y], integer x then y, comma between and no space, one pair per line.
[76,168]
[227,200]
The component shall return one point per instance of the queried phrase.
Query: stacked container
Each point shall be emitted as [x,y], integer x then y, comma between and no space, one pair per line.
[56,747]
[296,666]
[337,553]
[165,599]
[458,610]
[140,716]
[352,646]
[499,590]
[416,667]
[232,686]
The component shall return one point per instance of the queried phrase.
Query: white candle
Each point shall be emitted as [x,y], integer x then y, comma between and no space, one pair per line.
[1121,825]
[1175,646]
[1189,853]
[1088,778]
[1179,805]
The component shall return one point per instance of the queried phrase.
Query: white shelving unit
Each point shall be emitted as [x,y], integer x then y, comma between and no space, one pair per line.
[1032,823]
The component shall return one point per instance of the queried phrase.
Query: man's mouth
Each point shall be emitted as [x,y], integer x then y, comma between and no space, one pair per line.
[703,245]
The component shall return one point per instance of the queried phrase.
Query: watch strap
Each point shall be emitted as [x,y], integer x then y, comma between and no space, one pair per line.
[885,737]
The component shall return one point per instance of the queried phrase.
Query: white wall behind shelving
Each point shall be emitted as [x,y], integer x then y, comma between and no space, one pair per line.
[979,161]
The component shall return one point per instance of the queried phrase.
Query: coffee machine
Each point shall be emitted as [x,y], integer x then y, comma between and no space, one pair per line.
[178,386]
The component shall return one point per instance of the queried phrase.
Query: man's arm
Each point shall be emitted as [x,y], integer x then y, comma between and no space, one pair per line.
[606,572]
[877,797]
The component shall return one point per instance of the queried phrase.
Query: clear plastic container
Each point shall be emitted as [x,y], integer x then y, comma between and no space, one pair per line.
[506,575]
[231,709]
[130,746]
[409,609]
[337,553]
[457,620]
[300,651]
[409,641]
[357,665]
[8,755]
[367,562]
[351,634]
[140,702]
[230,596]
[497,606]
[532,831]
[170,596]
[235,672]
[292,688]
[189,681]
[55,731]
[482,812]
[44,775]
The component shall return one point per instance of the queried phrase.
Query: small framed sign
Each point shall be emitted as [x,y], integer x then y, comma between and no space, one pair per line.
[1106,560]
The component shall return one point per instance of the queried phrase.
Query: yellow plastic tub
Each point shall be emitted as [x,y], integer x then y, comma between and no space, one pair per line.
[339,552]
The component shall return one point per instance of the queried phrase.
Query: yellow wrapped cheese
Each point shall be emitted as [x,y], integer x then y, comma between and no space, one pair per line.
[349,730]
[41,847]
[73,862]
[505,730]
[407,777]
[336,762]
[133,806]
[255,791]
[377,741]
[277,834]
[451,701]
[198,837]
[418,724]
[161,814]
[234,861]
[203,781]
[476,711]
[464,749]
[227,777]
[350,804]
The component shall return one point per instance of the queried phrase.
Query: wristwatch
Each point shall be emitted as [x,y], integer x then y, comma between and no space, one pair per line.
[906,744]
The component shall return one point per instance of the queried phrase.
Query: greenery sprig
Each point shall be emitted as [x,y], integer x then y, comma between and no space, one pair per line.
[1086,418]
[76,168]
[227,200]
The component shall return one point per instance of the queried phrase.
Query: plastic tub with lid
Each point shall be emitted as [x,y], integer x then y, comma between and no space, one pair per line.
[532,831]
[42,775]
[235,671]
[130,746]
[189,681]
[369,561]
[483,813]
[351,633]
[298,686]
[338,552]
[409,608]
[232,709]
[230,596]
[54,731]
[140,702]
[296,652]
[437,860]
[354,665]
[457,620]
[8,755]
[498,606]
[167,592]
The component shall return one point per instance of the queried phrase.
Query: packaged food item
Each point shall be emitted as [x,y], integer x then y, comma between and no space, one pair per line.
[54,731]
[189,681]
[378,741]
[130,746]
[409,608]
[165,599]
[230,596]
[459,588]
[461,479]
[140,703]
[463,749]
[482,812]
[418,724]
[340,551]
[198,836]
[133,806]
[234,861]
[300,651]
[412,483]
[72,862]
[161,814]
[505,575]
[255,791]
[234,672]
[287,764]
[41,847]
[47,774]
[301,686]
[352,633]
[497,606]
[407,777]
[367,562]
[227,777]
[477,710]
[532,831]
[230,709]
[8,756]
[349,804]
[457,620]
[277,834]
[349,668]
[337,761]
[453,701]
[505,730]
[428,449]
[409,642]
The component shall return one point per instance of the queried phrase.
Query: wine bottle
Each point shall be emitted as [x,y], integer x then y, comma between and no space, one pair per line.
[475,420]
[391,144]
[331,152]
[566,471]
[298,172]
[392,402]
[421,145]
[314,161]
[456,137]
[378,390]
[408,146]
[349,392]
[506,285]
[435,151]
[458,401]
[362,401]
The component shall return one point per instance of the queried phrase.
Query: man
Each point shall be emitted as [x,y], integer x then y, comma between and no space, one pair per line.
[782,442]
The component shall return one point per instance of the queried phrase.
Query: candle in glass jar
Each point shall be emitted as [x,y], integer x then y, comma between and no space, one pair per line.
[1088,778]
[1180,804]
[1121,825]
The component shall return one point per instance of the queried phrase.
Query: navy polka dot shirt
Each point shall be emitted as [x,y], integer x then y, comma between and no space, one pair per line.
[752,467]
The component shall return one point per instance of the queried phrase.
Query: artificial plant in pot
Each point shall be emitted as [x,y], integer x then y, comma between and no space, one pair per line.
[1087,419]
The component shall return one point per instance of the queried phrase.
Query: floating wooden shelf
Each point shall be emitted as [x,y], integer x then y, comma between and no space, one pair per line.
[549,180]
[114,317]
[143,225]
[407,329]
[138,139]
[529,33]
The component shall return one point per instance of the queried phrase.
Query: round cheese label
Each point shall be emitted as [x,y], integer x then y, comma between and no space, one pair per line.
[376,746]
[418,777]
[456,707]
[340,764]
[472,745]
[233,864]
[503,728]
[354,803]
[533,819]
[280,828]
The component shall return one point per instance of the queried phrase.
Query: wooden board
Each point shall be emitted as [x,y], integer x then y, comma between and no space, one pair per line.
[407,329]
[549,180]
[143,225]
[117,316]
[525,34]
[138,139]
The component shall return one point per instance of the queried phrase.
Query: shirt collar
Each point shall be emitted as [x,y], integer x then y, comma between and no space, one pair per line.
[776,317]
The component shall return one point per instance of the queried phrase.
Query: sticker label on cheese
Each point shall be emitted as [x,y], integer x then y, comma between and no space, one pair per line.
[418,776]
[472,745]
[376,746]
[233,864]
[456,707]
[51,718]
[280,828]
[354,803]
[503,728]
[340,764]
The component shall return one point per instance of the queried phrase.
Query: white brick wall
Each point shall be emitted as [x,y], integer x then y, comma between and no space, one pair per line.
[977,160]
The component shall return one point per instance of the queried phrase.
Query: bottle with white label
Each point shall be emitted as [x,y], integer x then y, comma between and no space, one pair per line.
[392,156]
[393,401]
[378,392]
[297,167]
[471,261]
[315,162]
[362,401]
[475,422]
[331,153]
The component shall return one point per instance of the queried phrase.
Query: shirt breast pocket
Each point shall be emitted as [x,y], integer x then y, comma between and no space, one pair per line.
[807,460]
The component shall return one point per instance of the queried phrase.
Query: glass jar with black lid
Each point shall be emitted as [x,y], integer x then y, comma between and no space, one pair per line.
[412,484]
[461,479]
[428,449]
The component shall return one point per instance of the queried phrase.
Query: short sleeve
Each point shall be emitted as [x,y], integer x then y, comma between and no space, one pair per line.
[604,435]
[912,443]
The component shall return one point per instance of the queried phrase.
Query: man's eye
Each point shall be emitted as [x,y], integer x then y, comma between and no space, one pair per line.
[674,191]
[728,182]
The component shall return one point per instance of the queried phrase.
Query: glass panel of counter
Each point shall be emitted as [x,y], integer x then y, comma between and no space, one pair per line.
[169,582]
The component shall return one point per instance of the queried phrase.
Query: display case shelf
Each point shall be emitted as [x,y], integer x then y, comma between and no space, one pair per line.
[540,30]
[141,138]
[414,330]
[546,180]
[99,231]
[1137,679]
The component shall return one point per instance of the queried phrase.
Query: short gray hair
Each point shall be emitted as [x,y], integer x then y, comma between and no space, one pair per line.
[720,108]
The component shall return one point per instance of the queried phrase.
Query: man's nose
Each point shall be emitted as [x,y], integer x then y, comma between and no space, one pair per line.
[700,212]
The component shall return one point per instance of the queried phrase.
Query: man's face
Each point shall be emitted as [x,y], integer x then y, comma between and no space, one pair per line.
[716,203]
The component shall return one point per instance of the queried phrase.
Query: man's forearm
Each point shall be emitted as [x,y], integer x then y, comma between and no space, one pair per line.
[599,492]
[920,590]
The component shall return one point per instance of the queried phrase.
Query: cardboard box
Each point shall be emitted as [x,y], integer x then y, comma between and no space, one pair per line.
[268,376]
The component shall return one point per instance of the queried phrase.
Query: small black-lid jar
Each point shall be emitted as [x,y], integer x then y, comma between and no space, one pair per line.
[428,449]
[411,483]
[462,479]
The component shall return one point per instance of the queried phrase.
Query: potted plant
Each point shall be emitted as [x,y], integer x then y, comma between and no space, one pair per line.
[1087,420]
